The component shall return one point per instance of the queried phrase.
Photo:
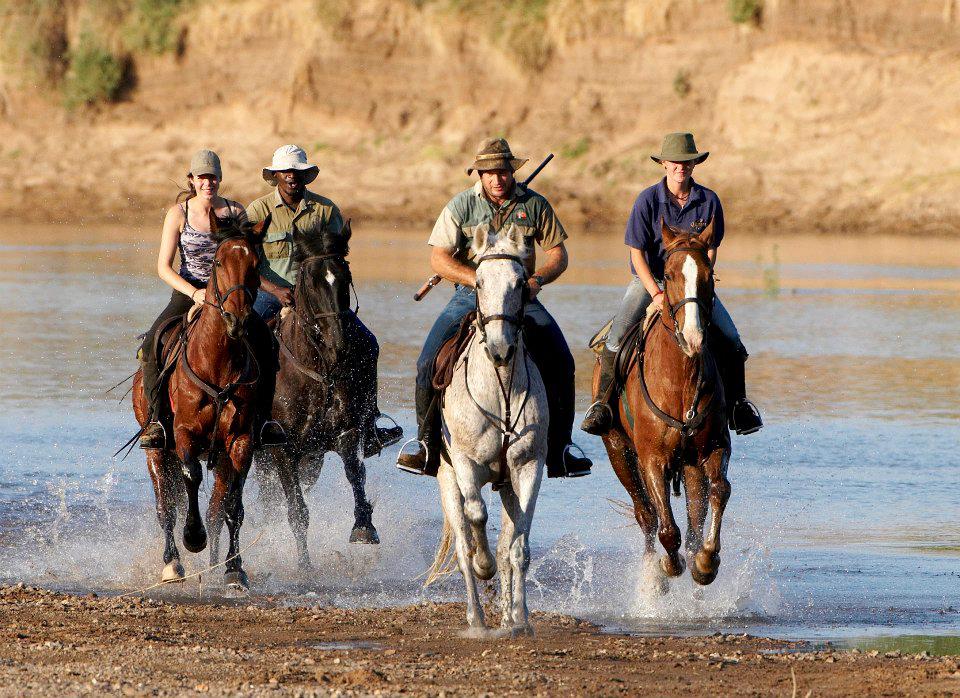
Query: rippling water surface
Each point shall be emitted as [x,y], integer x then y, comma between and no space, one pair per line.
[845,514]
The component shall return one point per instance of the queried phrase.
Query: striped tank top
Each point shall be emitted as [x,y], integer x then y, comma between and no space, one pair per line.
[197,250]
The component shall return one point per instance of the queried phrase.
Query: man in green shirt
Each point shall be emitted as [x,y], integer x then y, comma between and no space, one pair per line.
[294,208]
[452,258]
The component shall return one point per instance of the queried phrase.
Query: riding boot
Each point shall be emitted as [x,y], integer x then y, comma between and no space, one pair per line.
[599,417]
[742,415]
[153,435]
[426,460]
[267,433]
[561,461]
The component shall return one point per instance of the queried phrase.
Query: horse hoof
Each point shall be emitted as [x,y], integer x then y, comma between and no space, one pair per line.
[364,534]
[172,573]
[704,567]
[521,630]
[671,570]
[194,539]
[236,580]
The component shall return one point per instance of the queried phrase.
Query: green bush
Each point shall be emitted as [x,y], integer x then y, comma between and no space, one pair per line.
[95,74]
[575,149]
[33,36]
[745,11]
[151,26]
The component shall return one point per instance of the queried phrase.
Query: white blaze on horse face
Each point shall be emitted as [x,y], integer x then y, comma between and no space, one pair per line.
[330,278]
[692,331]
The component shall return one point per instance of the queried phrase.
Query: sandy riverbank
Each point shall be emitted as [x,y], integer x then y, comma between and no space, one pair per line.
[54,643]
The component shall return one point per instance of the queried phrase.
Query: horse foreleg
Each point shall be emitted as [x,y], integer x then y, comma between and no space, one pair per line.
[706,563]
[215,513]
[625,464]
[452,502]
[655,481]
[504,568]
[695,489]
[241,454]
[475,510]
[194,535]
[356,472]
[526,487]
[288,472]
[164,487]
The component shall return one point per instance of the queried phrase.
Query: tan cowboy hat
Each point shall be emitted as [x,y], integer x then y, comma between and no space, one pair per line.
[205,162]
[495,154]
[290,157]
[679,147]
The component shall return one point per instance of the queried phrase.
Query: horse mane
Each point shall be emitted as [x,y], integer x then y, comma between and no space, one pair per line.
[326,243]
[222,229]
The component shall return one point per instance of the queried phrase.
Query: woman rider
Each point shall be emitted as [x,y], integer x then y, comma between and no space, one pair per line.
[684,204]
[186,229]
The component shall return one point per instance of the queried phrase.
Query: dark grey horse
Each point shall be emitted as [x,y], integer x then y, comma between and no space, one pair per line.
[326,397]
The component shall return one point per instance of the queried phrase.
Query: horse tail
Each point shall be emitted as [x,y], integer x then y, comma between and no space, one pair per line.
[443,562]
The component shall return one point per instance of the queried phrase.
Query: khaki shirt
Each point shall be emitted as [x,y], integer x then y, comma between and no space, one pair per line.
[470,210]
[315,215]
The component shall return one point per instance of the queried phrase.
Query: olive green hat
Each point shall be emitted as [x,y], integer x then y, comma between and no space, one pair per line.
[495,154]
[205,162]
[679,147]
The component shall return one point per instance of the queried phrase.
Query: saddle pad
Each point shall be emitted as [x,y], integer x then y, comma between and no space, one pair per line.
[450,351]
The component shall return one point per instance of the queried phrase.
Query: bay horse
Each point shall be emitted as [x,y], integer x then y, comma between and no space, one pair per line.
[212,393]
[326,388]
[495,420]
[670,422]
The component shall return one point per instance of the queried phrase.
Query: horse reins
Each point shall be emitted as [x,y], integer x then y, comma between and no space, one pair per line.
[502,424]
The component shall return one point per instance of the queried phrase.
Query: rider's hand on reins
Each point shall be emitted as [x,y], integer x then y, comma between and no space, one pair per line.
[534,285]
[285,296]
[658,301]
[198,299]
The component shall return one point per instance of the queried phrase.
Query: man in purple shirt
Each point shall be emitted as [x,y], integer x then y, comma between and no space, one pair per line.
[686,205]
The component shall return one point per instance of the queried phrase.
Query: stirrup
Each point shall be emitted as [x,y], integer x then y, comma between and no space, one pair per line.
[378,429]
[162,428]
[575,473]
[408,469]
[756,414]
[605,405]
[282,431]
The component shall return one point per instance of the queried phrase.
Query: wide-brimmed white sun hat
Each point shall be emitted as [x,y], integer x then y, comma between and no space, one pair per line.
[290,157]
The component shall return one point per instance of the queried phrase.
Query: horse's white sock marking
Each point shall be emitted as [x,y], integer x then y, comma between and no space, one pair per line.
[330,277]
[692,332]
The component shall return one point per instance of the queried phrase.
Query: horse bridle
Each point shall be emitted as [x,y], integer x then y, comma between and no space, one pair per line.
[673,308]
[484,320]
[221,298]
[336,313]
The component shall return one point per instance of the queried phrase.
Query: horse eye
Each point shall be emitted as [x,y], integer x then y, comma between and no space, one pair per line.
[668,277]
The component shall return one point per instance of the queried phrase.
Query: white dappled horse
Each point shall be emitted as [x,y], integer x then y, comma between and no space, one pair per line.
[495,424]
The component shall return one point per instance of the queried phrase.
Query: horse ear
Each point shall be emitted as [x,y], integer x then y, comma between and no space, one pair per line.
[516,236]
[666,232]
[260,228]
[706,235]
[480,237]
[346,232]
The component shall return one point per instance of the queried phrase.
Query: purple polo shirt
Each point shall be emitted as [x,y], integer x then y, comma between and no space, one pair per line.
[643,227]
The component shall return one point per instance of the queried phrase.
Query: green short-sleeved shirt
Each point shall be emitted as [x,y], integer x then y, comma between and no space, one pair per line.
[470,210]
[315,215]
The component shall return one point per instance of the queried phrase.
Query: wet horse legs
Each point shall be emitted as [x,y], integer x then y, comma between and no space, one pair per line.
[194,535]
[356,472]
[288,471]
[165,476]
[655,481]
[706,563]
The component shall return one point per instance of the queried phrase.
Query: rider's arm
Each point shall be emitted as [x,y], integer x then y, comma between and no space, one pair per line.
[642,269]
[450,268]
[168,249]
[555,262]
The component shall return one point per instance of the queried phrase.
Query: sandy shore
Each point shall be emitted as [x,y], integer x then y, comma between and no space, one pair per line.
[59,644]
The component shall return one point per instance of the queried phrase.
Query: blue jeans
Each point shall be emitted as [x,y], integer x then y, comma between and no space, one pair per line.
[267,305]
[634,306]
[547,346]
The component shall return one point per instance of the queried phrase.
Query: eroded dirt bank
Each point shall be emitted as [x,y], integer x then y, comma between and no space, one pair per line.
[59,644]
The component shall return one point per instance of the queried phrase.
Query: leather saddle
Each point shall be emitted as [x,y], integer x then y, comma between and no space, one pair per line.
[450,351]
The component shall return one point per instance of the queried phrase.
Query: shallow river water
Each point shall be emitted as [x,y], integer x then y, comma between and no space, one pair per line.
[844,521]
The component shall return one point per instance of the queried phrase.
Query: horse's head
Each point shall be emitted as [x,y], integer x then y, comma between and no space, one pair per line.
[501,291]
[324,281]
[688,286]
[234,279]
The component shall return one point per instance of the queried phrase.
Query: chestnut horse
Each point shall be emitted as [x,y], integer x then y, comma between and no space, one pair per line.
[212,394]
[670,421]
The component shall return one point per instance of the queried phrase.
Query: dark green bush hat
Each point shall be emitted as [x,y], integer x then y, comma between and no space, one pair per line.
[205,162]
[679,147]
[495,154]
